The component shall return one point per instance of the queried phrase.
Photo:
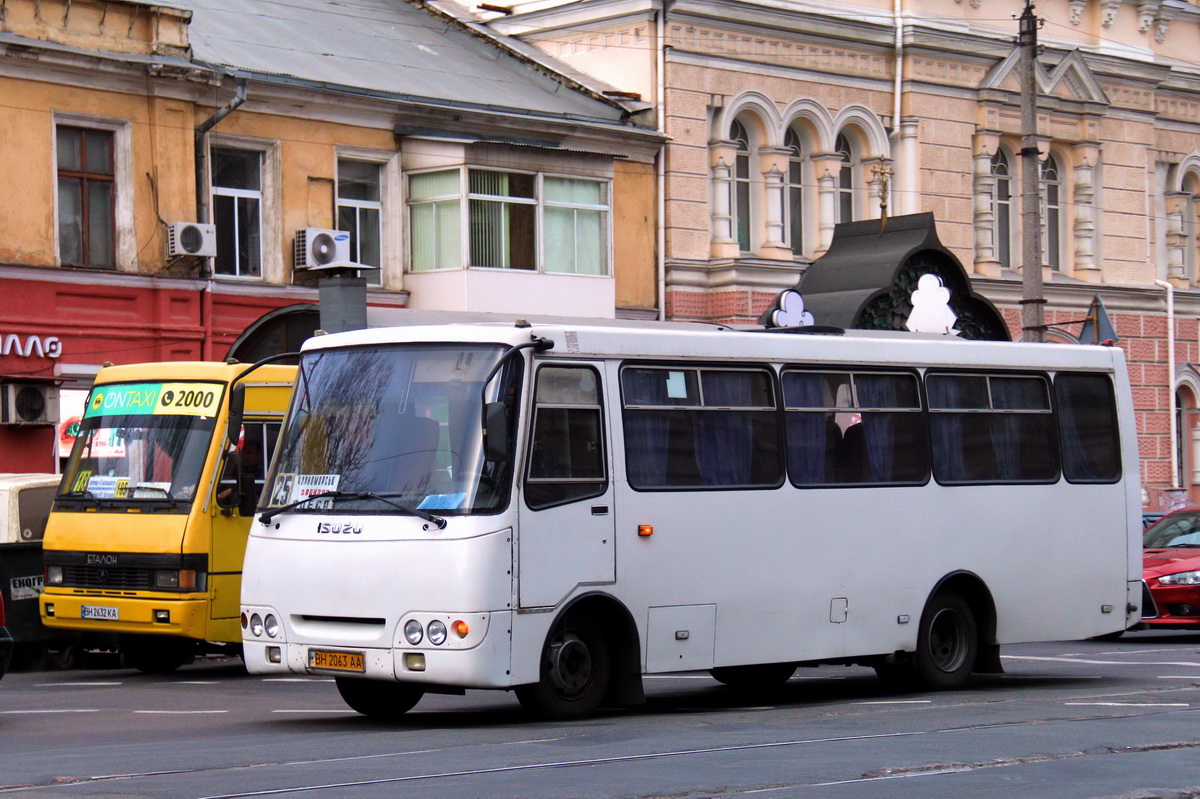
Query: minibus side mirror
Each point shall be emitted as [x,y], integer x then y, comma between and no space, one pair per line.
[495,432]
[237,409]
[229,487]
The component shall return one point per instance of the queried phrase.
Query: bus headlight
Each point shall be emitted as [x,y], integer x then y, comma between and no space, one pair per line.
[271,625]
[437,633]
[54,575]
[413,632]
[1182,578]
[256,626]
[176,578]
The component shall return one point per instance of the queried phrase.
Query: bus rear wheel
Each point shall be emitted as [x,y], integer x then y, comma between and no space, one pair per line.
[762,677]
[575,671]
[386,701]
[947,648]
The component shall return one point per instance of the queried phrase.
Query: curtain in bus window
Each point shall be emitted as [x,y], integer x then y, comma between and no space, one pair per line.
[1020,435]
[725,439]
[1088,428]
[812,437]
[647,433]
[878,391]
[946,429]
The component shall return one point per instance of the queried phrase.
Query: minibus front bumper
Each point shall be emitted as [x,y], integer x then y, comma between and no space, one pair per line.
[179,616]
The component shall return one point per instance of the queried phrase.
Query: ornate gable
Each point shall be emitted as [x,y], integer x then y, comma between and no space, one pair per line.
[1070,80]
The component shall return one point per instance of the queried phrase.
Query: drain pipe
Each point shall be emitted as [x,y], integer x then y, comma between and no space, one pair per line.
[202,215]
[1175,481]
[661,167]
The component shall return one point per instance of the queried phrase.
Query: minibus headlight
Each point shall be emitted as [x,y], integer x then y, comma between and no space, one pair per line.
[54,575]
[437,633]
[1182,578]
[271,625]
[256,626]
[413,632]
[166,578]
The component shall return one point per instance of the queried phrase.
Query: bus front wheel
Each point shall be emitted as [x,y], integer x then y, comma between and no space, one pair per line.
[575,671]
[376,699]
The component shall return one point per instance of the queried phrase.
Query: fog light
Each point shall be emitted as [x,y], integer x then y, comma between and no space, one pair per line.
[49,608]
[414,661]
[437,633]
[274,654]
[162,616]
[256,626]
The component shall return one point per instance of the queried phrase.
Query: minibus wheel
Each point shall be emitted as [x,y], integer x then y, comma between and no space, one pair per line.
[947,643]
[575,671]
[377,699]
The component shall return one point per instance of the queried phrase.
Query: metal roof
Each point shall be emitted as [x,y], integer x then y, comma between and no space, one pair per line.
[386,46]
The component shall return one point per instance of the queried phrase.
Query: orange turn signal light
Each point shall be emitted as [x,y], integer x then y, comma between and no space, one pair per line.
[460,628]
[645,530]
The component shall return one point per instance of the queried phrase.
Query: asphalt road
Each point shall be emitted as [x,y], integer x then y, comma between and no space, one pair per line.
[1079,719]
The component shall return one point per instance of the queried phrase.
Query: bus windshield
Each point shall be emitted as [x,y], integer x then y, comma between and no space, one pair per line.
[141,443]
[402,422]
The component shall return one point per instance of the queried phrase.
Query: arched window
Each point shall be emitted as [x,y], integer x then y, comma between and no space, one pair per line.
[794,195]
[1191,206]
[845,203]
[1052,213]
[1002,208]
[740,201]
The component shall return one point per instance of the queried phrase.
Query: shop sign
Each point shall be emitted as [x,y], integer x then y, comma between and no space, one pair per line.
[33,346]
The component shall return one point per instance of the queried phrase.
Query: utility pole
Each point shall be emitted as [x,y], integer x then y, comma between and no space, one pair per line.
[1032,301]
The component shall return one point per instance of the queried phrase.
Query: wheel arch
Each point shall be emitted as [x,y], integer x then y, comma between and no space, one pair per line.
[620,632]
[974,591]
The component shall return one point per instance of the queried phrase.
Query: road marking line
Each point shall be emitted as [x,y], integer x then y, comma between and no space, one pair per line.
[295,679]
[26,712]
[1130,704]
[1105,662]
[896,702]
[196,682]
[347,710]
[1178,677]
[181,712]
[75,684]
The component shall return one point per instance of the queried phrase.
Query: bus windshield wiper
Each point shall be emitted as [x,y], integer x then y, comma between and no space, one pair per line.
[437,521]
[85,495]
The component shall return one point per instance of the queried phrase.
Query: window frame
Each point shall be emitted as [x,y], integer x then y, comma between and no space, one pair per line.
[794,199]
[1050,177]
[374,277]
[600,485]
[847,178]
[539,203]
[772,384]
[1002,208]
[1113,420]
[919,410]
[124,243]
[1050,410]
[259,195]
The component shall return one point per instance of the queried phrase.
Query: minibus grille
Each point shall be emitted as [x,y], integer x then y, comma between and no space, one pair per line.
[106,577]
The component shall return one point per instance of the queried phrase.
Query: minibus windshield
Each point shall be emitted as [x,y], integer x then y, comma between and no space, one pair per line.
[397,421]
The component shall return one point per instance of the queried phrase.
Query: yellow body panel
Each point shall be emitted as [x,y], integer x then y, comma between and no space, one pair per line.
[206,529]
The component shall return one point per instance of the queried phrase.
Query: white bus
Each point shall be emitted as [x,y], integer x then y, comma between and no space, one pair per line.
[560,509]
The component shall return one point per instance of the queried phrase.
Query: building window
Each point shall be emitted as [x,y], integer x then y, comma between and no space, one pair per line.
[1052,213]
[845,203]
[794,191]
[359,211]
[514,220]
[741,185]
[1002,208]
[237,211]
[86,226]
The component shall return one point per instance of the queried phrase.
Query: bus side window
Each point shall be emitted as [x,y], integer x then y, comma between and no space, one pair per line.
[566,458]
[1087,423]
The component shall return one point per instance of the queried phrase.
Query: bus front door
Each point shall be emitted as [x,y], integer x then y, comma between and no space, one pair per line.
[566,520]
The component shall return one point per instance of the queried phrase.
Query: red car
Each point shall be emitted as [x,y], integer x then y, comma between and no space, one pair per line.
[1171,571]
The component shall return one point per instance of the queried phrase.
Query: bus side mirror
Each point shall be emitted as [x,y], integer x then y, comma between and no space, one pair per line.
[237,409]
[495,432]
[229,487]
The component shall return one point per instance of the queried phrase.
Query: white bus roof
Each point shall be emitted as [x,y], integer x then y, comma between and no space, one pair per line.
[674,340]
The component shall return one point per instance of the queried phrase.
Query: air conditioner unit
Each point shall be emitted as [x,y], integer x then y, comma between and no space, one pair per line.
[191,238]
[28,403]
[317,248]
